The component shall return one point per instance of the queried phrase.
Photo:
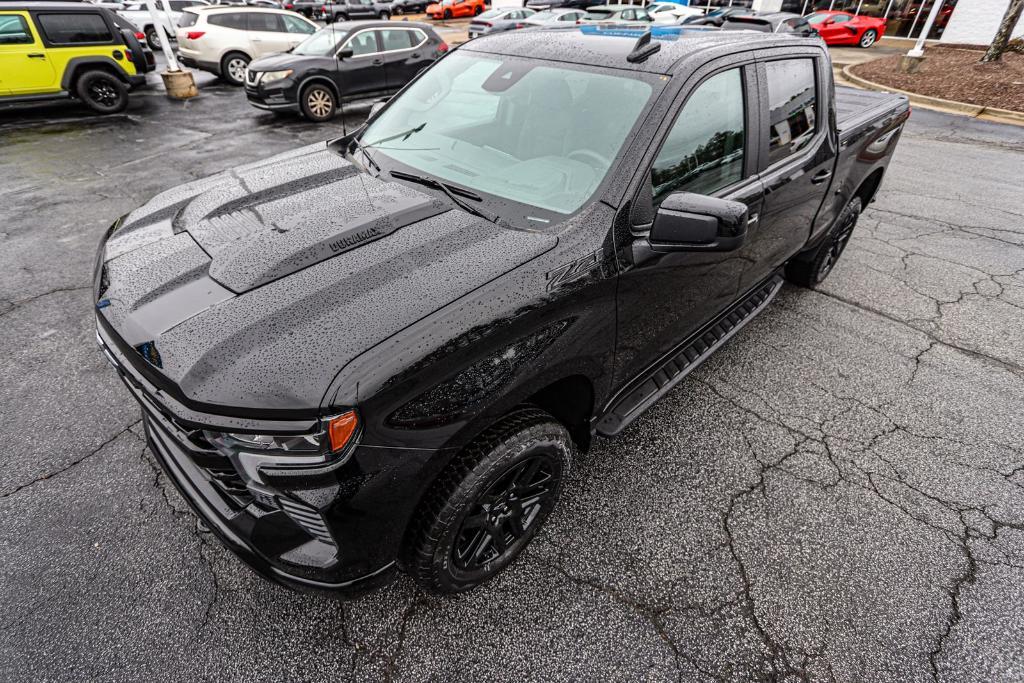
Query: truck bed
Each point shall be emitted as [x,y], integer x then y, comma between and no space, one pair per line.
[856,108]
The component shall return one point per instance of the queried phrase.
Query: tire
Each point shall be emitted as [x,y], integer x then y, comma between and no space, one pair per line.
[470,525]
[812,267]
[384,16]
[397,11]
[447,14]
[318,102]
[340,17]
[152,39]
[868,38]
[232,67]
[102,91]
[477,10]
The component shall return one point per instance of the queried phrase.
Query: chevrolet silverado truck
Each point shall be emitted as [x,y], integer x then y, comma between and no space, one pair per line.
[384,352]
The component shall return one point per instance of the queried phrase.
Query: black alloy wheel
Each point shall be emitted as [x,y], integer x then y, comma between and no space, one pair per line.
[489,502]
[102,92]
[503,516]
[812,267]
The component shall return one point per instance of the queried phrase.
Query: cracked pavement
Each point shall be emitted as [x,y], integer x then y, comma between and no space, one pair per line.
[838,494]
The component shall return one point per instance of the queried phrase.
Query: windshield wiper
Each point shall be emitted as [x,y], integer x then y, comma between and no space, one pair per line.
[362,148]
[404,135]
[451,191]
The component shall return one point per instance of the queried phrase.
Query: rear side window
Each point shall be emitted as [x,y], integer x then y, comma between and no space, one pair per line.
[228,20]
[704,150]
[400,40]
[14,30]
[363,43]
[264,21]
[792,105]
[75,28]
[188,19]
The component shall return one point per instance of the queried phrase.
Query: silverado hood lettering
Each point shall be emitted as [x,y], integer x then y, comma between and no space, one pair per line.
[225,275]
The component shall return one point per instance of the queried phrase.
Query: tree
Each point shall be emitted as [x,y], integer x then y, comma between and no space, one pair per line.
[998,47]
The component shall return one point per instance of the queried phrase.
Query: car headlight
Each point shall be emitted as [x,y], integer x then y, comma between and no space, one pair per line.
[271,76]
[331,437]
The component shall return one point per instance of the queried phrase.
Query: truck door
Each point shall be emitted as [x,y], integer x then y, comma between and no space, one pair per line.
[710,148]
[25,68]
[798,156]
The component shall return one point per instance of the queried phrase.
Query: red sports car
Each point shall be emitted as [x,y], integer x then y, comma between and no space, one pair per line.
[843,28]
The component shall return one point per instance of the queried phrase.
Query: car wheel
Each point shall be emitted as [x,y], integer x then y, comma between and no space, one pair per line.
[447,14]
[318,102]
[233,66]
[397,11]
[477,10]
[489,502]
[869,38]
[102,92]
[340,17]
[152,38]
[384,16]
[813,266]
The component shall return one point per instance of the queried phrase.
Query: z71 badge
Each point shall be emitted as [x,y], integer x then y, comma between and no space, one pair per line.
[571,272]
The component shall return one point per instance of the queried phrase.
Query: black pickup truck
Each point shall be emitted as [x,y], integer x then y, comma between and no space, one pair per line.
[384,352]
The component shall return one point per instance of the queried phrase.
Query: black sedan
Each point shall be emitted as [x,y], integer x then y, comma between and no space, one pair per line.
[399,7]
[343,62]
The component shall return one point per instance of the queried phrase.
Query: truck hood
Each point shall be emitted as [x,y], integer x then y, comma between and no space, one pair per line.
[252,289]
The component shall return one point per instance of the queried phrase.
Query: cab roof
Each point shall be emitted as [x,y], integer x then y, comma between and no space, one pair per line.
[34,5]
[608,45]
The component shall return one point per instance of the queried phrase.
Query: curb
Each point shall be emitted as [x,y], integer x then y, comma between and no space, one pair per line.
[972,110]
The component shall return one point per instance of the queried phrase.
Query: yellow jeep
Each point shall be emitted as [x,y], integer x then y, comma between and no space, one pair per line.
[57,50]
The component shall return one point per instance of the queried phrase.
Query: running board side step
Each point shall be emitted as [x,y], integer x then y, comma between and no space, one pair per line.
[667,374]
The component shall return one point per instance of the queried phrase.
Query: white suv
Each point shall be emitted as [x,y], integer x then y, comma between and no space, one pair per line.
[137,13]
[223,39]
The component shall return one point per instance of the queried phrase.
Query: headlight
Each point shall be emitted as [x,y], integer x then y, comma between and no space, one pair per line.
[332,436]
[271,76]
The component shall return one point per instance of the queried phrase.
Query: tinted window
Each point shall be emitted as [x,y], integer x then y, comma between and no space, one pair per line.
[230,20]
[189,19]
[792,106]
[265,21]
[68,29]
[704,150]
[398,40]
[572,16]
[363,43]
[296,25]
[14,30]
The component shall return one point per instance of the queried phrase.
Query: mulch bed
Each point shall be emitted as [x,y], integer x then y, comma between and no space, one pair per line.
[955,74]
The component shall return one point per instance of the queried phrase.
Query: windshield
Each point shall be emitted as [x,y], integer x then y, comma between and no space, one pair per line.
[321,43]
[817,18]
[518,129]
[546,15]
[597,14]
[492,13]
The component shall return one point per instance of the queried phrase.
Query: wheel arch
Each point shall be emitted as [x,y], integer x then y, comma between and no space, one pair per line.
[76,66]
[869,187]
[318,78]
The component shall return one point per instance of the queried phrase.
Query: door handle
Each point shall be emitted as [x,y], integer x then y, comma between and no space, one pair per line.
[415,55]
[821,176]
[36,55]
[377,62]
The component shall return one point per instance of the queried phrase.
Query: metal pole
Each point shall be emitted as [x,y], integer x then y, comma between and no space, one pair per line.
[918,50]
[856,14]
[831,5]
[887,8]
[917,15]
[165,43]
[803,12]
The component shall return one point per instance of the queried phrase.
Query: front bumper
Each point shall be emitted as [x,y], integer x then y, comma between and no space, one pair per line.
[280,97]
[335,528]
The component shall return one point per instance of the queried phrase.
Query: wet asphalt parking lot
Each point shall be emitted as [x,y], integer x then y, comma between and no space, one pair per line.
[838,494]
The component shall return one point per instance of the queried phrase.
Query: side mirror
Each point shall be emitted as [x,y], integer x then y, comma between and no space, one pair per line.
[694,222]
[377,106]
[345,53]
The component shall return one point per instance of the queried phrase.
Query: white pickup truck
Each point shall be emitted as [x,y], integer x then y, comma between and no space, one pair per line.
[138,14]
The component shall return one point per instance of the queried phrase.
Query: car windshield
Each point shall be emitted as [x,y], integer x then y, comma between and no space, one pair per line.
[491,13]
[598,14]
[817,18]
[546,15]
[321,43]
[537,133]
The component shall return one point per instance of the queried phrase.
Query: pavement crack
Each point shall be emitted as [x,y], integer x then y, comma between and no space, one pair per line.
[16,304]
[73,463]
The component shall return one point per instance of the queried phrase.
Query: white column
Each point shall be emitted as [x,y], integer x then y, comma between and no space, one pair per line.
[165,42]
[918,50]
